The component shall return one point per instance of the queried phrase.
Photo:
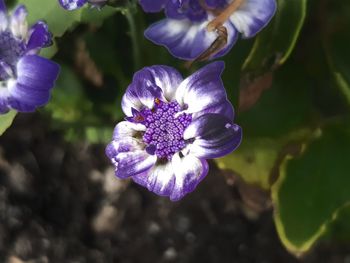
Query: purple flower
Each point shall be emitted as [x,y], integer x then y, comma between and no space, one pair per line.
[192,26]
[75,4]
[25,77]
[173,126]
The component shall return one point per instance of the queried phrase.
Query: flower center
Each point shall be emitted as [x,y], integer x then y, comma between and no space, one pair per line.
[10,50]
[164,133]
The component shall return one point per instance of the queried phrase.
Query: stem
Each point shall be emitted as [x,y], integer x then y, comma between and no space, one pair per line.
[134,39]
[222,18]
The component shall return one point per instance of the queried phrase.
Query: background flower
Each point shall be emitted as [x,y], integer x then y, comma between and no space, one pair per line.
[75,4]
[25,77]
[173,126]
[185,31]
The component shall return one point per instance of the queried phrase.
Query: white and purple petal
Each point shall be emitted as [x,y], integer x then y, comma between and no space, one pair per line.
[18,22]
[72,4]
[186,39]
[164,77]
[204,92]
[3,6]
[4,96]
[39,37]
[148,84]
[252,16]
[189,172]
[174,179]
[36,76]
[213,136]
[129,158]
[3,16]
[127,129]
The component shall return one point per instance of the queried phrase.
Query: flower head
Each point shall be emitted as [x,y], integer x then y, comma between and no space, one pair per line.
[192,26]
[75,4]
[25,77]
[173,126]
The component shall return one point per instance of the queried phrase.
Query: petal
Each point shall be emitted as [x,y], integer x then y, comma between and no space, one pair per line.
[203,91]
[185,39]
[72,4]
[148,84]
[18,22]
[174,179]
[128,144]
[133,163]
[36,76]
[3,18]
[253,16]
[6,71]
[164,77]
[128,157]
[224,109]
[4,104]
[191,171]
[127,129]
[214,136]
[3,6]
[39,37]
[152,5]
[29,95]
[37,72]
[159,180]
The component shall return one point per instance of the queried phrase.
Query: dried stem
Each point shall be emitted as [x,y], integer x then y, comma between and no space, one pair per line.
[224,15]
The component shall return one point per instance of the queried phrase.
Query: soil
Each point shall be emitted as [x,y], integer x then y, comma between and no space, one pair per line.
[60,202]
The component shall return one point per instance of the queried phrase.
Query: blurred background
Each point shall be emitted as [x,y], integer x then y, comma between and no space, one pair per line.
[282,197]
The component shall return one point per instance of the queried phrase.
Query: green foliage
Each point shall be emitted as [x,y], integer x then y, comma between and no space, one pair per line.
[312,188]
[267,130]
[310,90]
[60,20]
[6,121]
[274,45]
[337,42]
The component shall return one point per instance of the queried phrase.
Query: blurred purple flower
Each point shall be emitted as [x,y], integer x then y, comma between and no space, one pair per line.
[173,126]
[185,31]
[75,4]
[25,77]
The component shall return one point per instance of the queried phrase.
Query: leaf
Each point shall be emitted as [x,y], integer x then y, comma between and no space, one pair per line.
[276,121]
[58,19]
[68,103]
[312,188]
[274,44]
[337,42]
[61,20]
[339,228]
[6,121]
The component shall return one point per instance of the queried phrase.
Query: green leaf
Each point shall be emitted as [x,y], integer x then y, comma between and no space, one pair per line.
[68,103]
[278,119]
[6,121]
[253,160]
[312,188]
[275,43]
[337,42]
[61,20]
[339,228]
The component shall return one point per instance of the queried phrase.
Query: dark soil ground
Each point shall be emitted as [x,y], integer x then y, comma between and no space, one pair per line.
[60,202]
